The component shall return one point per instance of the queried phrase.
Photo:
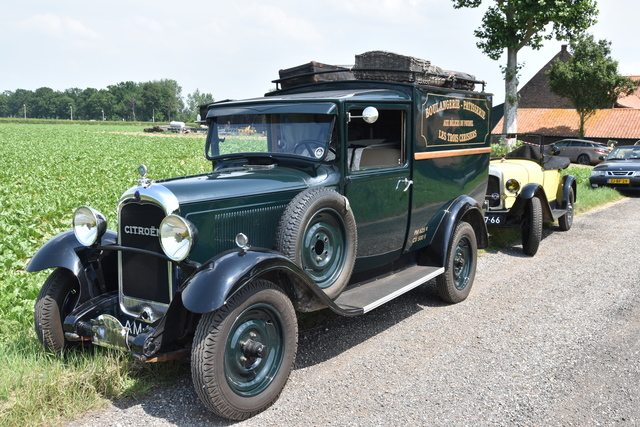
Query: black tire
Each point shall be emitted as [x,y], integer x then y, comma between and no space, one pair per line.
[566,221]
[317,231]
[532,227]
[57,298]
[455,283]
[584,159]
[231,375]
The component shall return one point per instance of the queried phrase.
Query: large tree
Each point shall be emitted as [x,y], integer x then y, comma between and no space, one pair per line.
[515,24]
[194,100]
[590,80]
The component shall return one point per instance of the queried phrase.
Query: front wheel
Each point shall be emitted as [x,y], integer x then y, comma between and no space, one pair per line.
[57,298]
[532,227]
[243,353]
[455,283]
[566,221]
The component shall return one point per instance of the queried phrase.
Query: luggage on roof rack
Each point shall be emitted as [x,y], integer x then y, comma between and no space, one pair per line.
[311,73]
[389,66]
[380,66]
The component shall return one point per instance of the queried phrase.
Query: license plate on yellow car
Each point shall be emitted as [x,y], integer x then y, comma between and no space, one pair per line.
[618,181]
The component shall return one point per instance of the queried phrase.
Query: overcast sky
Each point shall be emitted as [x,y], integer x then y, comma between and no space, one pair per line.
[234,49]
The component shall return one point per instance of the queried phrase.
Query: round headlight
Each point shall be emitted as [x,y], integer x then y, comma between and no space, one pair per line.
[513,185]
[88,225]
[177,237]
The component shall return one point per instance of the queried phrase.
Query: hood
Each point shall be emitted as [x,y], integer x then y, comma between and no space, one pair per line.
[523,170]
[619,165]
[239,182]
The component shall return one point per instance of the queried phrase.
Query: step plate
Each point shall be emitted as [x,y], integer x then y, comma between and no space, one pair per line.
[369,295]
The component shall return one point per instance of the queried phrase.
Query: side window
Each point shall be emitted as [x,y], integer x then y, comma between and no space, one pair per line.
[377,145]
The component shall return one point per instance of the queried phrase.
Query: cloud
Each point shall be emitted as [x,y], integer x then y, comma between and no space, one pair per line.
[62,27]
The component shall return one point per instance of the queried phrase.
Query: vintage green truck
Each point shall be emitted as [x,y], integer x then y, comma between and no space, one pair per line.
[341,189]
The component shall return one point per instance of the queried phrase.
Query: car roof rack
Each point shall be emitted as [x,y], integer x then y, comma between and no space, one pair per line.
[377,66]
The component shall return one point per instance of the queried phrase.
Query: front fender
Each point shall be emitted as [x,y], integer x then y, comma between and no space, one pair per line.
[213,283]
[528,192]
[65,251]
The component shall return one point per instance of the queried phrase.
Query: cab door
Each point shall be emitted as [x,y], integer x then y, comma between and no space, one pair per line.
[378,183]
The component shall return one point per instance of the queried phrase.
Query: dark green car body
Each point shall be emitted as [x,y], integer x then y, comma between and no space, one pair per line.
[397,203]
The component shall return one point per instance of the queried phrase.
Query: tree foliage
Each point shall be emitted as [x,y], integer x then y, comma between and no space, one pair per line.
[514,24]
[158,100]
[590,80]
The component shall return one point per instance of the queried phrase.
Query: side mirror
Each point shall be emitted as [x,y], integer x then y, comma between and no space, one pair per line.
[369,115]
[601,158]
[554,151]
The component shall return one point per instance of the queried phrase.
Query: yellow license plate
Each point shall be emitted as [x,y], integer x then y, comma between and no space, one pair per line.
[618,181]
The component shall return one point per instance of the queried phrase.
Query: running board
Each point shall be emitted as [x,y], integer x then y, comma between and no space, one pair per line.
[557,213]
[364,297]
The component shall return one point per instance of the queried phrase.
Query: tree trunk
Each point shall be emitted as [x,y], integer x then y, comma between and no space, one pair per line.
[583,119]
[511,93]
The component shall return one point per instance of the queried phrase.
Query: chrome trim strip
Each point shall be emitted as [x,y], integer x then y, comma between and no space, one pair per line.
[156,194]
[403,290]
[162,197]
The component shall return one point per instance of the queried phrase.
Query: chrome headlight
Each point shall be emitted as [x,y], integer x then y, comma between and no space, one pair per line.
[636,173]
[512,185]
[595,172]
[177,237]
[88,225]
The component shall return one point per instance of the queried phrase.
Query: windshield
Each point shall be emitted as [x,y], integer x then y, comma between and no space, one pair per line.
[306,135]
[625,153]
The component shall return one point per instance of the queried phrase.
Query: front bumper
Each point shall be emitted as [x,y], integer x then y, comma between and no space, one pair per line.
[101,321]
[624,183]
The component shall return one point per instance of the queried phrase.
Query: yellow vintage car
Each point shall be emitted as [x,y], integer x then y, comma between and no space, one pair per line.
[526,189]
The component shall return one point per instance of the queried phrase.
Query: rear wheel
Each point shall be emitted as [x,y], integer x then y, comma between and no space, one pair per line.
[455,283]
[566,220]
[243,352]
[57,298]
[584,159]
[532,227]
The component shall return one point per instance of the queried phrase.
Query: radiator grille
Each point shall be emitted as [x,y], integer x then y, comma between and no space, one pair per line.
[493,187]
[142,276]
[259,223]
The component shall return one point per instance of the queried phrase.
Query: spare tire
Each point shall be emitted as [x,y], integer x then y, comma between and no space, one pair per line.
[317,231]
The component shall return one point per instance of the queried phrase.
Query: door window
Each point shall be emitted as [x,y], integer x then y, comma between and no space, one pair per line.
[376,145]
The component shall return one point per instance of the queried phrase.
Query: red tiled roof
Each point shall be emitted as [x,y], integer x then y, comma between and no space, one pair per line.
[633,100]
[611,123]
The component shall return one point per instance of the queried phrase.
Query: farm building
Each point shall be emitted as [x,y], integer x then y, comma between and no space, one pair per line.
[552,118]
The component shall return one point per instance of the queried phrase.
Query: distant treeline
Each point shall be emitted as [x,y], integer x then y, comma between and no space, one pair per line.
[159,101]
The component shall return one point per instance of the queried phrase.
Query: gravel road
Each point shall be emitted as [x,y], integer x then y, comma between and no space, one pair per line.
[547,340]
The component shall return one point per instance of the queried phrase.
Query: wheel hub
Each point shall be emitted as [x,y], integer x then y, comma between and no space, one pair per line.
[253,349]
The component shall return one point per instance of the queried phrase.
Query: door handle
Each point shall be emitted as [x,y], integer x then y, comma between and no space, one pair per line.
[407,183]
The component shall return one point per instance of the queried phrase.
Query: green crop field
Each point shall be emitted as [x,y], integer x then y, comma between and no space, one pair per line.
[47,170]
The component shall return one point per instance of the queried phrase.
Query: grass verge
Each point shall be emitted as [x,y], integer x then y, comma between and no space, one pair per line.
[39,389]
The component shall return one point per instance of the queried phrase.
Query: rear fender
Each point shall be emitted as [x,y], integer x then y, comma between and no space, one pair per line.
[213,283]
[568,183]
[464,208]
